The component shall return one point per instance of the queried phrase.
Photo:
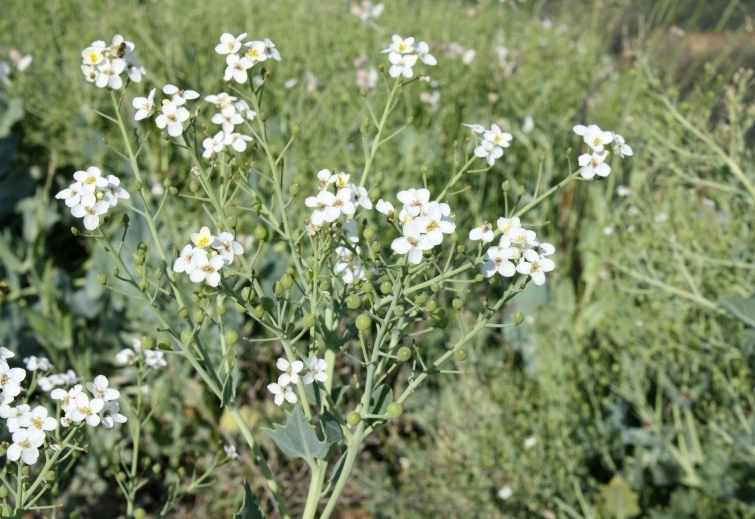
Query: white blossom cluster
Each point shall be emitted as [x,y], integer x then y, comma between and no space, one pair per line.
[22,63]
[316,371]
[203,265]
[29,426]
[103,65]
[173,113]
[404,53]
[594,163]
[492,142]
[423,223]
[155,359]
[517,251]
[337,206]
[232,112]
[92,195]
[241,56]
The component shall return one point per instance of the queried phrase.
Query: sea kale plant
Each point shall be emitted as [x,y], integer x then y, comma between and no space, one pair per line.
[365,277]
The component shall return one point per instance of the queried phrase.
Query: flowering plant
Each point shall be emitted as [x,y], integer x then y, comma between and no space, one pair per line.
[364,279]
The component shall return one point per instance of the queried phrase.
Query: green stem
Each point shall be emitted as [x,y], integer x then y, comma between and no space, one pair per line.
[376,143]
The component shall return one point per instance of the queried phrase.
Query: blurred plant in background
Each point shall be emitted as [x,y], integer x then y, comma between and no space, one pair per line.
[626,391]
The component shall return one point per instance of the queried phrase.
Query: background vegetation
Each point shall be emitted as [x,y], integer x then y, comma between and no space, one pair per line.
[633,370]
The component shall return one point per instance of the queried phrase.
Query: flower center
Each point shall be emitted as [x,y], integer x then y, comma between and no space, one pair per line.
[203,241]
[596,141]
[4,380]
[402,47]
[208,268]
[37,422]
[413,241]
[432,226]
[90,210]
[253,53]
[25,445]
[85,411]
[172,118]
[94,57]
[90,180]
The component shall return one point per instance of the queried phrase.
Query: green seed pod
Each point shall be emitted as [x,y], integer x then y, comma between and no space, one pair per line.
[290,270]
[386,287]
[493,281]
[309,321]
[115,271]
[138,186]
[293,190]
[520,191]
[6,510]
[137,258]
[420,298]
[353,302]
[363,322]
[173,191]
[367,302]
[309,274]
[395,410]
[198,316]
[518,318]
[193,187]
[195,297]
[156,468]
[221,310]
[296,129]
[431,305]
[75,231]
[367,287]
[101,279]
[375,247]
[181,471]
[142,247]
[287,281]
[368,233]
[3,493]
[257,207]
[425,169]
[183,313]
[158,274]
[461,355]
[324,285]
[259,312]
[268,304]
[461,249]
[458,303]
[353,418]
[278,289]
[240,308]
[404,354]
[231,337]
[260,233]
[248,294]
[50,476]
[231,220]
[185,336]
[162,344]
[435,288]
[140,513]
[506,186]
[166,183]
[478,278]
[399,311]
[147,343]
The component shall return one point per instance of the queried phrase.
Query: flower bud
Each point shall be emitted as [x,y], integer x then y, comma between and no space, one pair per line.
[100,195]
[140,513]
[193,186]
[138,186]
[126,219]
[293,190]
[139,271]
[461,355]
[6,510]
[375,248]
[278,289]
[195,297]
[221,310]
[353,419]
[363,322]
[138,258]
[458,303]
[381,68]
[296,129]
[353,302]
[257,208]
[399,311]
[506,186]
[198,316]
[260,233]
[156,468]
[368,233]
[185,335]
[404,354]
[520,191]
[518,318]
[158,274]
[287,281]
[324,285]
[568,153]
[75,231]
[435,288]
[493,281]
[309,321]
[395,410]
[173,191]
[431,306]
[147,342]
[101,279]
[259,312]
[367,287]
[420,298]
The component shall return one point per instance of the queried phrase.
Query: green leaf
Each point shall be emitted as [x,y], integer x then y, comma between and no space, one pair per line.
[314,394]
[381,398]
[741,308]
[331,428]
[250,509]
[229,386]
[337,393]
[620,501]
[298,439]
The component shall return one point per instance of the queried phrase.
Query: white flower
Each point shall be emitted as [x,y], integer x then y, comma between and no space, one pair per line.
[110,414]
[230,451]
[350,271]
[623,191]
[137,344]
[434,224]
[290,371]
[69,377]
[316,370]
[207,270]
[476,128]
[113,191]
[145,106]
[530,442]
[72,195]
[522,239]
[47,383]
[359,194]
[483,232]
[528,124]
[506,224]
[67,398]
[281,393]
[242,107]
[179,96]
[10,380]
[255,51]
[5,353]
[86,409]
[329,206]
[38,420]
[400,45]
[488,150]
[203,238]
[593,165]
[173,117]
[213,144]
[26,444]
[342,179]
[154,359]
[620,148]
[227,246]
[468,56]
[325,177]
[535,266]
[228,119]
[134,69]
[222,101]
[270,50]
[119,47]
[505,492]
[126,355]
[384,207]
[497,260]
[237,68]
[92,55]
[90,179]
[237,141]
[110,74]
[100,390]
[594,136]
[413,200]
[185,262]
[412,243]
[228,44]
[423,53]
[401,64]
[367,10]
[12,415]
[33,363]
[90,209]
[346,229]
[497,137]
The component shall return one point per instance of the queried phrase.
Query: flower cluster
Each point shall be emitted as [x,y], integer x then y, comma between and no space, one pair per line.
[594,163]
[316,371]
[155,359]
[231,114]
[338,206]
[103,65]
[92,195]
[241,56]
[50,382]
[404,53]
[203,265]
[517,251]
[492,142]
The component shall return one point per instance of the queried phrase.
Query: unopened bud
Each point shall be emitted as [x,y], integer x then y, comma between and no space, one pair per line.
[506,186]
[115,271]
[296,130]
[520,191]
[126,219]
[518,318]
[294,189]
[166,183]
[173,191]
[101,279]
[568,153]
[137,186]
[231,220]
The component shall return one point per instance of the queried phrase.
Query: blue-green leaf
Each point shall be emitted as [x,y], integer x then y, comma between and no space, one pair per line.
[250,509]
[298,438]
